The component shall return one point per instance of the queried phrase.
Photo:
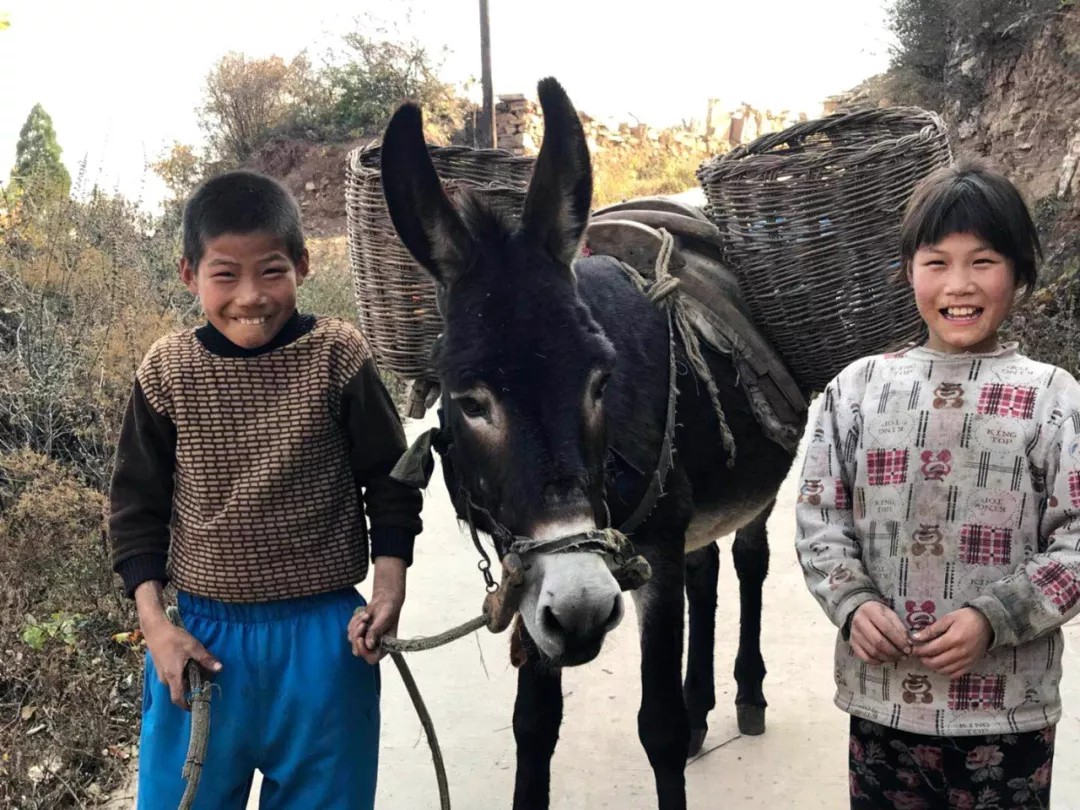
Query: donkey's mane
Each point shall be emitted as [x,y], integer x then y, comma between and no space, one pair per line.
[487,224]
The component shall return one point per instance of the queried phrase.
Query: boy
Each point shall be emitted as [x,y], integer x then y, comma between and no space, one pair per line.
[250,451]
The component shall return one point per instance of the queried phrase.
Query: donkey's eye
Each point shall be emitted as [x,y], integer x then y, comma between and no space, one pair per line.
[472,407]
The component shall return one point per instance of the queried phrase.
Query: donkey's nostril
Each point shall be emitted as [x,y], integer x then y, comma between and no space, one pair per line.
[616,614]
[549,621]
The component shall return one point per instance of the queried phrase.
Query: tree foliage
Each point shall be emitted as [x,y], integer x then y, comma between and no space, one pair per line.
[378,71]
[244,98]
[181,169]
[38,167]
[351,94]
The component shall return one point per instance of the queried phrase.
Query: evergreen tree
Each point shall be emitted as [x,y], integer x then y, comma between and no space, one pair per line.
[37,157]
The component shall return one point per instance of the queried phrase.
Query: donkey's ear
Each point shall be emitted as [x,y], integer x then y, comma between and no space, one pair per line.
[557,206]
[422,215]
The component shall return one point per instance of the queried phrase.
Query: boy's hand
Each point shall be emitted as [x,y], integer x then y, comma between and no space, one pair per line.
[953,644]
[380,617]
[170,647]
[877,634]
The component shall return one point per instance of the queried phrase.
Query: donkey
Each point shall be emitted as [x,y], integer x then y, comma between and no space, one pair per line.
[554,372]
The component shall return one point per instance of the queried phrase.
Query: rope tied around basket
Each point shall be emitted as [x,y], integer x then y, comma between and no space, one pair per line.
[662,292]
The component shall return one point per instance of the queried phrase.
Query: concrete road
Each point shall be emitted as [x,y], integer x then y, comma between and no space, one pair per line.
[599,762]
[469,687]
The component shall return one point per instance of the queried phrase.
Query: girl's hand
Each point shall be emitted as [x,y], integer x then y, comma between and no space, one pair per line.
[877,634]
[953,644]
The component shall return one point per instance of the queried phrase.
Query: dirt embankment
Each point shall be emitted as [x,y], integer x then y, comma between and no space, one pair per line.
[315,174]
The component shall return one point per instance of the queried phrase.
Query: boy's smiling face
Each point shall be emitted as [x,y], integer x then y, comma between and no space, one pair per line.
[964,290]
[247,285]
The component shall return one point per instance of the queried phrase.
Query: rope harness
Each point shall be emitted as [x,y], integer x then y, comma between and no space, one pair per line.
[503,599]
[662,292]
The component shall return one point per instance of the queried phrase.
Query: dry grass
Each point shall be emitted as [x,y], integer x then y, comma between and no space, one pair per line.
[69,693]
[624,174]
[1047,325]
[329,291]
[85,287]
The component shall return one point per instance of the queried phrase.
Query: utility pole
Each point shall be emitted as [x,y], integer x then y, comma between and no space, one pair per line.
[487,136]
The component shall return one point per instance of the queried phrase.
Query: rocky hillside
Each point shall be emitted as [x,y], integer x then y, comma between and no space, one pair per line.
[1026,119]
[1025,109]
[1016,105]
[315,174]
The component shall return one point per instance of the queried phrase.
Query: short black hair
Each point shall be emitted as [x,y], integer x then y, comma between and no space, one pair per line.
[241,202]
[970,198]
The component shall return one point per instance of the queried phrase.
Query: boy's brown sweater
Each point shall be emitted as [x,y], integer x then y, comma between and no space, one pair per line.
[244,475]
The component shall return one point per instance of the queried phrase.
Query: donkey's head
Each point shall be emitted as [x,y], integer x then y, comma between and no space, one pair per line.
[523,366]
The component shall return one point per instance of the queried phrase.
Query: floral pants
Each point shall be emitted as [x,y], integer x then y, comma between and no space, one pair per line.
[892,769]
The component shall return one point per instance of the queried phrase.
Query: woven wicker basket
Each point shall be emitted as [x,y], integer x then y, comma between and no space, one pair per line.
[395,297]
[810,219]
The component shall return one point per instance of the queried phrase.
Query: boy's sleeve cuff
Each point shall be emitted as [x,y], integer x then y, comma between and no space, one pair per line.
[134,571]
[392,541]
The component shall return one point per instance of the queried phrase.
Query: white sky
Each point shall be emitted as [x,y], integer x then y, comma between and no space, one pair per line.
[121,78]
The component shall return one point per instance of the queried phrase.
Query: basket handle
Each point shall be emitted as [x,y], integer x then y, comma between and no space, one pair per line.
[796,133]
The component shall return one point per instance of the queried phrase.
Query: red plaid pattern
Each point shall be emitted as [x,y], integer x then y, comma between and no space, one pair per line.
[1074,487]
[1059,584]
[985,545]
[998,399]
[842,500]
[974,693]
[886,467]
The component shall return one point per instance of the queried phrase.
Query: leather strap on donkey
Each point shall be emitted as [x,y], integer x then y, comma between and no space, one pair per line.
[417,464]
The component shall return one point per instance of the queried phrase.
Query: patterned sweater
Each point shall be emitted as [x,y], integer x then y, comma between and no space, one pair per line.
[243,475]
[934,482]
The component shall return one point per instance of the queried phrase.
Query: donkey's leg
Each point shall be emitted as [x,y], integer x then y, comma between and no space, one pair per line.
[751,553]
[663,724]
[702,572]
[537,717]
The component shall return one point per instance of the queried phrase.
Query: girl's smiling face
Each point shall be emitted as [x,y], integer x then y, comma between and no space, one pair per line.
[964,290]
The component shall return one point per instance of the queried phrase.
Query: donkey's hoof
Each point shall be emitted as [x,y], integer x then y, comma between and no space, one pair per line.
[697,739]
[751,719]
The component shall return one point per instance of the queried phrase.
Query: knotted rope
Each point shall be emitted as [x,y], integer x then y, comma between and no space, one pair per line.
[662,292]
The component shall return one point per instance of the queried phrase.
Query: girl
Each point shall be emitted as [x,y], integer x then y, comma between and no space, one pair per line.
[939,522]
